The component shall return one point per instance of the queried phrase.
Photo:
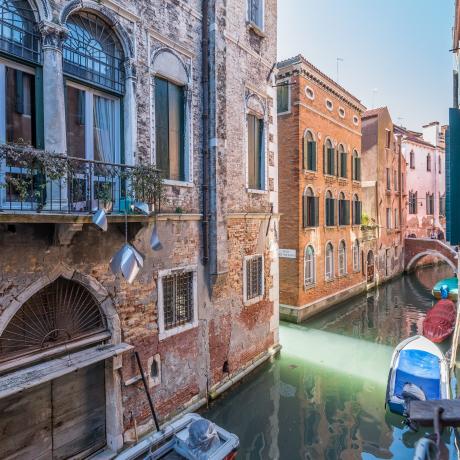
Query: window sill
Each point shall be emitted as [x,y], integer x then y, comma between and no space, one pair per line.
[330,227]
[256,191]
[356,183]
[330,176]
[163,335]
[283,113]
[342,276]
[253,27]
[178,183]
[310,172]
[329,280]
[249,302]
[309,287]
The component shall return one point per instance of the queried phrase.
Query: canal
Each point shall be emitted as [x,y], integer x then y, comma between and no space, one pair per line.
[323,397]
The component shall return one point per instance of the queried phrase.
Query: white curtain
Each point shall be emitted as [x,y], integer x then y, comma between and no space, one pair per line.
[104,129]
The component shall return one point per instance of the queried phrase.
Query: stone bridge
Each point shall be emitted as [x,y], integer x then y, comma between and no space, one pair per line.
[416,248]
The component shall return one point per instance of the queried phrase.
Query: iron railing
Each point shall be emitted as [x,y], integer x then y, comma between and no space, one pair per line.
[41,182]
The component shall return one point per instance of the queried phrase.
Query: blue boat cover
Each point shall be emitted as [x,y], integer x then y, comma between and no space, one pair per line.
[420,368]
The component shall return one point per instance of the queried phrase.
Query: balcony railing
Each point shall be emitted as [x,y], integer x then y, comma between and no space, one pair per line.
[38,181]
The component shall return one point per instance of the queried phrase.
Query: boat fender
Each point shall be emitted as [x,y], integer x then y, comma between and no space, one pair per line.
[444,291]
[412,392]
[425,449]
[203,437]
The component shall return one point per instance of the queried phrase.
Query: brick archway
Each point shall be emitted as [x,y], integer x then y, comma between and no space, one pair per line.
[416,248]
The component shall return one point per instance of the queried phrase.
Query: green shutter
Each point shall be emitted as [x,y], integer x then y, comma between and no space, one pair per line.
[358,167]
[304,211]
[316,206]
[305,153]
[162,126]
[347,212]
[176,131]
[324,160]
[39,133]
[19,92]
[333,211]
[313,156]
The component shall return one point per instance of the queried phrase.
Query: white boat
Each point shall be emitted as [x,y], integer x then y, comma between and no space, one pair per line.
[419,371]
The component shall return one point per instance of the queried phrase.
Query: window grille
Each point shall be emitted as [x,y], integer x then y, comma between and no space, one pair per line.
[309,152]
[18,30]
[356,264]
[178,299]
[412,203]
[342,259]
[283,97]
[93,53]
[254,277]
[329,262]
[309,275]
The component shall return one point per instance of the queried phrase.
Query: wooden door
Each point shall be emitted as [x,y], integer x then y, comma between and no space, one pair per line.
[25,425]
[79,413]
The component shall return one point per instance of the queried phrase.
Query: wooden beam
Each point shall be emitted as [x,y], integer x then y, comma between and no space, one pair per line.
[423,412]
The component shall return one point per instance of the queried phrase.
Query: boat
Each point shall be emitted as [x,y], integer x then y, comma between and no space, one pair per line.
[439,322]
[452,287]
[419,371]
[190,437]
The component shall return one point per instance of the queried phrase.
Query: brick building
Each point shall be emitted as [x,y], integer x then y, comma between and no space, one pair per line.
[424,155]
[319,132]
[384,192]
[107,86]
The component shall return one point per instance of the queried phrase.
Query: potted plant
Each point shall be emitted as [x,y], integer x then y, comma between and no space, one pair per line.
[103,193]
[146,185]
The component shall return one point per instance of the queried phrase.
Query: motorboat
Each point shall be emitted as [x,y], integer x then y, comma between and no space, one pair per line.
[191,437]
[419,371]
[452,288]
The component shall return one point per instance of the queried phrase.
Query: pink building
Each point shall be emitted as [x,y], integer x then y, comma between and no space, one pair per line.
[425,182]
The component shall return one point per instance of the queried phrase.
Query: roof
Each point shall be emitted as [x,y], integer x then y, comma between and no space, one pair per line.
[413,136]
[299,59]
[374,112]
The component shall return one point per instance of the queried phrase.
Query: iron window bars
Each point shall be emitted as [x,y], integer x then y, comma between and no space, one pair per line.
[18,30]
[254,274]
[92,52]
[177,299]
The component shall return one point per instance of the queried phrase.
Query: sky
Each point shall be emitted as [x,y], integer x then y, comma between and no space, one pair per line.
[395,52]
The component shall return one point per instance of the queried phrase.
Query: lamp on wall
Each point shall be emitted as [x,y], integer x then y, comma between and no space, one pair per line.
[127,261]
[100,220]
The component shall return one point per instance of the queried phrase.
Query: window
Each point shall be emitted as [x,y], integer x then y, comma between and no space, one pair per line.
[395,180]
[18,31]
[412,202]
[309,152]
[387,262]
[329,158]
[330,209]
[309,93]
[439,164]
[344,210]
[356,166]
[177,301]
[256,13]
[343,161]
[342,259]
[396,221]
[356,258]
[428,162]
[283,97]
[412,159]
[355,120]
[310,209]
[309,266]
[357,210]
[388,179]
[403,184]
[329,104]
[254,276]
[329,262]
[388,218]
[430,203]
[341,112]
[169,129]
[442,205]
[388,139]
[255,152]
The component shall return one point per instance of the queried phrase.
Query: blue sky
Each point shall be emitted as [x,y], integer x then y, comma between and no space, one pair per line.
[398,47]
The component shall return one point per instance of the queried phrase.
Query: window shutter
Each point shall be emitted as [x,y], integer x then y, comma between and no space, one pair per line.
[347,212]
[19,96]
[162,126]
[333,212]
[316,208]
[358,222]
[176,131]
[324,160]
[305,153]
[304,211]
[358,167]
[251,151]
[313,156]
[333,162]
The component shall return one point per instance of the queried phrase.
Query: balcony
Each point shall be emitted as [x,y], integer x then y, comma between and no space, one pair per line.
[40,187]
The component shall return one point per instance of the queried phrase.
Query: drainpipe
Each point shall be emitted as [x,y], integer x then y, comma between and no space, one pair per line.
[205,118]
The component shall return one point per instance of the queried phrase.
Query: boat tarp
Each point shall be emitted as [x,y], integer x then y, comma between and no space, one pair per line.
[440,321]
[452,284]
[419,368]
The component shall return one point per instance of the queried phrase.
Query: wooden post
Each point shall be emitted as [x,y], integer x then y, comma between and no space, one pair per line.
[456,336]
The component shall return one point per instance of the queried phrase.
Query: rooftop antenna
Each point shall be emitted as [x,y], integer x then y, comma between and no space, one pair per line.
[339,60]
[374,92]
[401,121]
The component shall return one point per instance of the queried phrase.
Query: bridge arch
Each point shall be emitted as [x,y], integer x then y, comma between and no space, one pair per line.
[411,264]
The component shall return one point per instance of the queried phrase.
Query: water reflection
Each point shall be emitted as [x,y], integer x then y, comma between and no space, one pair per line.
[323,398]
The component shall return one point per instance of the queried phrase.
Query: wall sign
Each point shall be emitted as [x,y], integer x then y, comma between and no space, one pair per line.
[288,253]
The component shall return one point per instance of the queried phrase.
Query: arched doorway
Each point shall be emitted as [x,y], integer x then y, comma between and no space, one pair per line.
[370,267]
[53,400]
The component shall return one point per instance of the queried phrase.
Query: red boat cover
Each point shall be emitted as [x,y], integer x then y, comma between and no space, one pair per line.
[439,322]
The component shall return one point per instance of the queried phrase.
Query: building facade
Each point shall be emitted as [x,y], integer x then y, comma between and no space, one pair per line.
[171,103]
[319,132]
[425,181]
[384,191]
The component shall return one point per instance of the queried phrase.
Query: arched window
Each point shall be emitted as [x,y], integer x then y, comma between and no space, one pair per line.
[329,262]
[330,209]
[356,166]
[309,266]
[357,210]
[310,209]
[342,259]
[93,55]
[62,312]
[329,158]
[344,210]
[309,152]
[412,159]
[356,258]
[428,162]
[342,161]
[412,202]
[18,30]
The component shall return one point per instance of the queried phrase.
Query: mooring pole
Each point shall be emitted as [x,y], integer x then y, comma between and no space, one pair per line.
[147,391]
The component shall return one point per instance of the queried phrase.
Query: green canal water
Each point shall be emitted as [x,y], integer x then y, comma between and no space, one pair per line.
[323,396]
